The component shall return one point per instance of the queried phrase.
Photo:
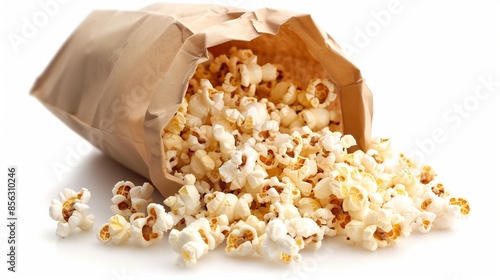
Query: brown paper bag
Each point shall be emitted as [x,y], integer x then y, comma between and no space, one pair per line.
[121,75]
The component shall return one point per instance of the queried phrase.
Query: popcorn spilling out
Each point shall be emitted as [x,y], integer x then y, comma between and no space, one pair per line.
[267,171]
[70,211]
[266,167]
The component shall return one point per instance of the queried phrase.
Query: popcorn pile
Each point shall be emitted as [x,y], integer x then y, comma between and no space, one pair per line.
[266,171]
[266,168]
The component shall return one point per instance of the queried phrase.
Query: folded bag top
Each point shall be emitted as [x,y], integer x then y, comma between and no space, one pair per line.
[121,75]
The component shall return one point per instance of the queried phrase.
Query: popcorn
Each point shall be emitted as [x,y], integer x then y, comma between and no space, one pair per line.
[228,204]
[194,241]
[148,229]
[304,230]
[242,241]
[128,199]
[236,170]
[320,93]
[186,202]
[117,230]
[70,211]
[276,245]
[269,72]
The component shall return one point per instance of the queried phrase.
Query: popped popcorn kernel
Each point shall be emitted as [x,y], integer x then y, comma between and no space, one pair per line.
[128,199]
[464,205]
[148,229]
[116,230]
[70,211]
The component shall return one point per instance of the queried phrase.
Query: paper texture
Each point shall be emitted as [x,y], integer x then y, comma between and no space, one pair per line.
[121,75]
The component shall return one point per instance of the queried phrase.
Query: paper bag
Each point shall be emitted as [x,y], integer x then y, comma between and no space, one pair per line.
[121,76]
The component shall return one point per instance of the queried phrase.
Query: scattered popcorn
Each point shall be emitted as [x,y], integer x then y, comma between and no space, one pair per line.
[70,211]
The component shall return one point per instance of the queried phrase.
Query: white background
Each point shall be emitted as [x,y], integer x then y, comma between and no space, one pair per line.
[422,63]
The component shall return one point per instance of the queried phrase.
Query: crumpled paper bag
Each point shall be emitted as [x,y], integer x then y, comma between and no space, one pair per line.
[121,76]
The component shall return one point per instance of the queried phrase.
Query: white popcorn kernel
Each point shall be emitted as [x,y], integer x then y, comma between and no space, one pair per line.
[186,202]
[270,190]
[305,231]
[194,241]
[299,170]
[189,244]
[323,189]
[236,170]
[255,73]
[287,116]
[242,241]
[246,56]
[117,230]
[244,75]
[231,83]
[330,142]
[70,211]
[383,146]
[269,72]
[201,72]
[267,131]
[276,245]
[347,141]
[171,160]
[284,210]
[445,213]
[228,204]
[201,163]
[404,206]
[147,230]
[220,228]
[424,221]
[172,142]
[371,232]
[320,92]
[218,63]
[356,200]
[234,116]
[267,155]
[316,118]
[408,178]
[283,92]
[255,114]
[462,204]
[176,124]
[128,199]
[140,196]
[226,141]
